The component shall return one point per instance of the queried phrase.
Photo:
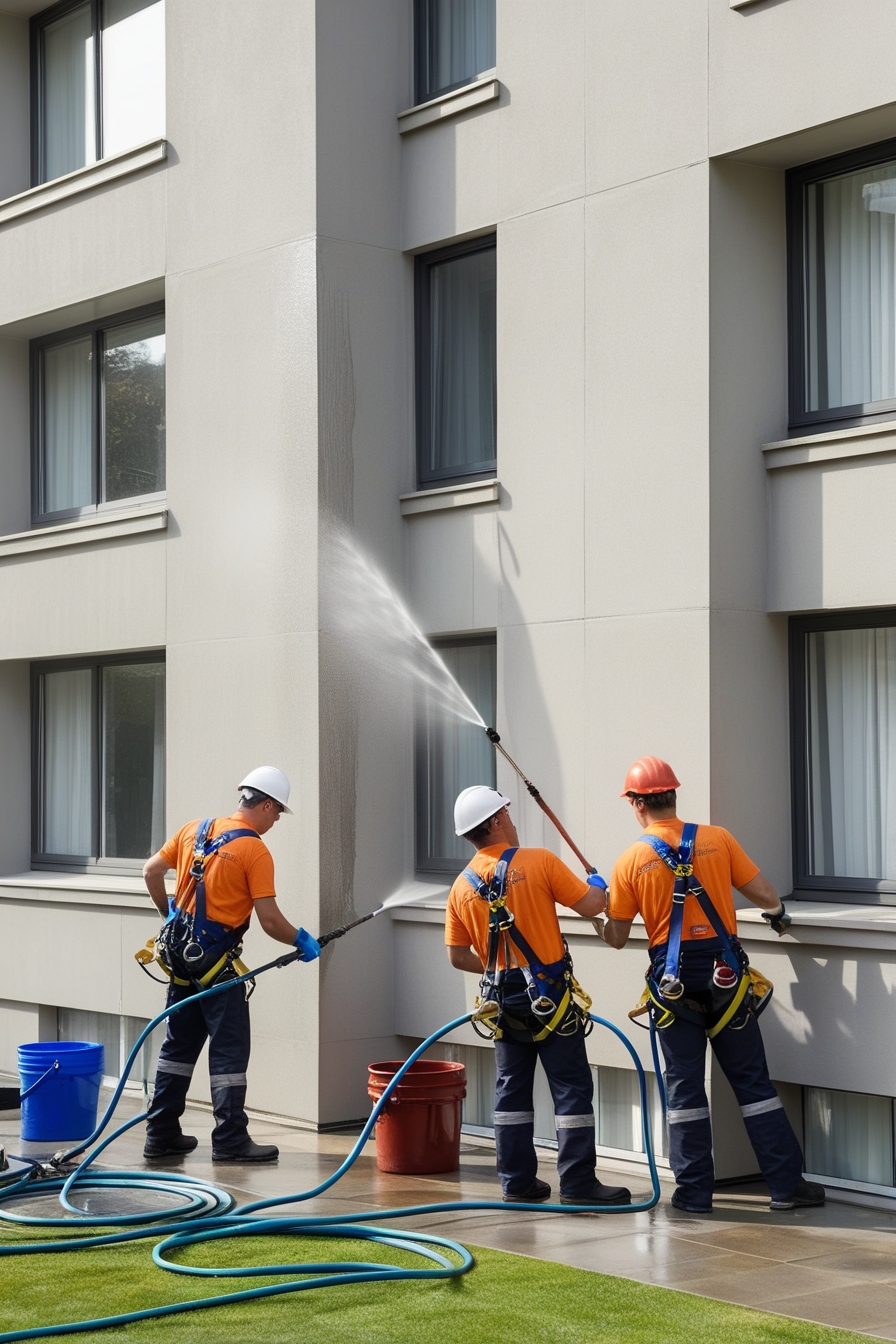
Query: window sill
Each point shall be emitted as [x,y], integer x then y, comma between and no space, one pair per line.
[450,497]
[483,90]
[77,889]
[836,445]
[825,923]
[83,179]
[741,4]
[97,527]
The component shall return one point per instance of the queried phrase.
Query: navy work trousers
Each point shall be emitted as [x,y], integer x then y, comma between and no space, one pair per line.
[223,1019]
[741,1054]
[572,1088]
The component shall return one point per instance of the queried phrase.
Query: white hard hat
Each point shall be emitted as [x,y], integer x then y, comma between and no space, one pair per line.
[268,779]
[475,805]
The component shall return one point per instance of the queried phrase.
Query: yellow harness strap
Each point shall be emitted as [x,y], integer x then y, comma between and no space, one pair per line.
[150,953]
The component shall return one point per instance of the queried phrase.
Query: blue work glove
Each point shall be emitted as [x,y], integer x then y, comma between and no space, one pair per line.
[595,880]
[309,947]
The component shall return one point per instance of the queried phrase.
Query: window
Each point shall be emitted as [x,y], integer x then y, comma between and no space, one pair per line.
[99,415]
[456,363]
[454,41]
[98,81]
[849,1136]
[842,220]
[99,760]
[118,1036]
[452,755]
[843,671]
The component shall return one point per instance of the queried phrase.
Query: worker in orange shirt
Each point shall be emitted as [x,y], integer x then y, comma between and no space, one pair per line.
[502,925]
[679,878]
[224,873]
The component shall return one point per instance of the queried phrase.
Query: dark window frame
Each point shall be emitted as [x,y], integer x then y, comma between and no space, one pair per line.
[442,867]
[38,23]
[422,93]
[96,328]
[423,365]
[797,180]
[40,860]
[810,886]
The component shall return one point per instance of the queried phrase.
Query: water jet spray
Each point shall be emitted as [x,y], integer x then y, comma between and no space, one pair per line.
[590,869]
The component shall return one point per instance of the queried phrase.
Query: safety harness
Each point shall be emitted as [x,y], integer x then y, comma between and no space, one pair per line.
[522,997]
[191,948]
[664,995]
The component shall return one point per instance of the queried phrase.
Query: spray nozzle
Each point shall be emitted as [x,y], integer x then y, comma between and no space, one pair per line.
[492,735]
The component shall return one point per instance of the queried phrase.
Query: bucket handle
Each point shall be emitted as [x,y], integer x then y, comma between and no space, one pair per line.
[42,1079]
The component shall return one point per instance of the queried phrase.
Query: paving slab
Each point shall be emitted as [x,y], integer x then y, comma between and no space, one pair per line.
[835,1265]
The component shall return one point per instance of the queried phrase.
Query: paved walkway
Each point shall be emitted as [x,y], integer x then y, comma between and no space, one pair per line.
[835,1265]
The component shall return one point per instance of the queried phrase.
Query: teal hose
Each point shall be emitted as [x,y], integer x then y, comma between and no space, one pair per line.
[209,1214]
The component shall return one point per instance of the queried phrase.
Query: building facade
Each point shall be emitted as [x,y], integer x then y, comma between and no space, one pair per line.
[581,319]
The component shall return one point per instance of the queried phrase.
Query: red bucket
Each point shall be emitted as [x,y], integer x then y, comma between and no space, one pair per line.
[418,1132]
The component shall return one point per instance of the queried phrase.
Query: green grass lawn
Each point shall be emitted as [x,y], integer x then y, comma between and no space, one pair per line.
[506,1299]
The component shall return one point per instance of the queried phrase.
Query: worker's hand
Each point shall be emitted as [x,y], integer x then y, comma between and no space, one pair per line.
[309,947]
[594,879]
[779,920]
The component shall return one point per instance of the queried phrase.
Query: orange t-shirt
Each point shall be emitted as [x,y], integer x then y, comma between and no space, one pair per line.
[642,883]
[237,875]
[535,881]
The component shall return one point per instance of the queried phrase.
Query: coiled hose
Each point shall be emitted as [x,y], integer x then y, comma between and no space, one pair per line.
[210,1214]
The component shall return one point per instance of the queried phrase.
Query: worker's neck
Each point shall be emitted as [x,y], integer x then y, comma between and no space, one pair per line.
[646,817]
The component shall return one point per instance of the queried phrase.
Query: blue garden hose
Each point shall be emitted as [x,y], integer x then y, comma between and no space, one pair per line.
[210,1214]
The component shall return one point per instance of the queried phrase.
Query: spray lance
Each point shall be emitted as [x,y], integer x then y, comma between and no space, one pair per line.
[594,877]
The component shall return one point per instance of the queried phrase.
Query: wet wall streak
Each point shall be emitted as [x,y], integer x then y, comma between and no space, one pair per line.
[338,752]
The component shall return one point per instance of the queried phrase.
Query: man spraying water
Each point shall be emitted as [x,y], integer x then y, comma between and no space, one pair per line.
[502,924]
[224,873]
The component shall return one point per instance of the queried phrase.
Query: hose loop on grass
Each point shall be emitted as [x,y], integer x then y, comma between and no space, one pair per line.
[208,1214]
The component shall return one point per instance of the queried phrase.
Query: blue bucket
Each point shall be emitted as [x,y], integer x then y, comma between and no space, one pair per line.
[60,1089]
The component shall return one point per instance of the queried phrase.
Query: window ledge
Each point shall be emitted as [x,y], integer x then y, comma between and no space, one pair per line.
[96,527]
[485,89]
[825,923]
[83,179]
[77,889]
[836,445]
[741,4]
[450,497]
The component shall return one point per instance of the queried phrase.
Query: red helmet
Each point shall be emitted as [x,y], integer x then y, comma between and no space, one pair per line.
[649,775]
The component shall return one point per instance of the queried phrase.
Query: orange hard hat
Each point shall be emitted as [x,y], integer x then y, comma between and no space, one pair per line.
[649,775]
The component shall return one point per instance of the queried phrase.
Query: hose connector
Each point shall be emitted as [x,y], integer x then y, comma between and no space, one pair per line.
[492,735]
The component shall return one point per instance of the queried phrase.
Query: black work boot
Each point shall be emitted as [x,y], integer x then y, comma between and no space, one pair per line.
[690,1203]
[248,1152]
[807,1195]
[537,1193]
[598,1194]
[174,1145]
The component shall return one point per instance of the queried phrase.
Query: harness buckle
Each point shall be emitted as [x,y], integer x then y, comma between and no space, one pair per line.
[683,870]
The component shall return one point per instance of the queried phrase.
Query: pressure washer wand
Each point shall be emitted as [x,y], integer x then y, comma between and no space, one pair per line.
[493,737]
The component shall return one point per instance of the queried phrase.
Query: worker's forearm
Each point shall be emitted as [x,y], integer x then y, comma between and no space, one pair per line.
[274,922]
[154,880]
[761,893]
[616,932]
[465,959]
[592,904]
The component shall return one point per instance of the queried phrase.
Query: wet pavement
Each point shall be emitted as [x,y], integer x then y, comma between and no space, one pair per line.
[835,1265]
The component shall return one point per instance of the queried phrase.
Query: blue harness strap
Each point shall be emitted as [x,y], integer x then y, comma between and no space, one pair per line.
[205,849]
[682,867]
